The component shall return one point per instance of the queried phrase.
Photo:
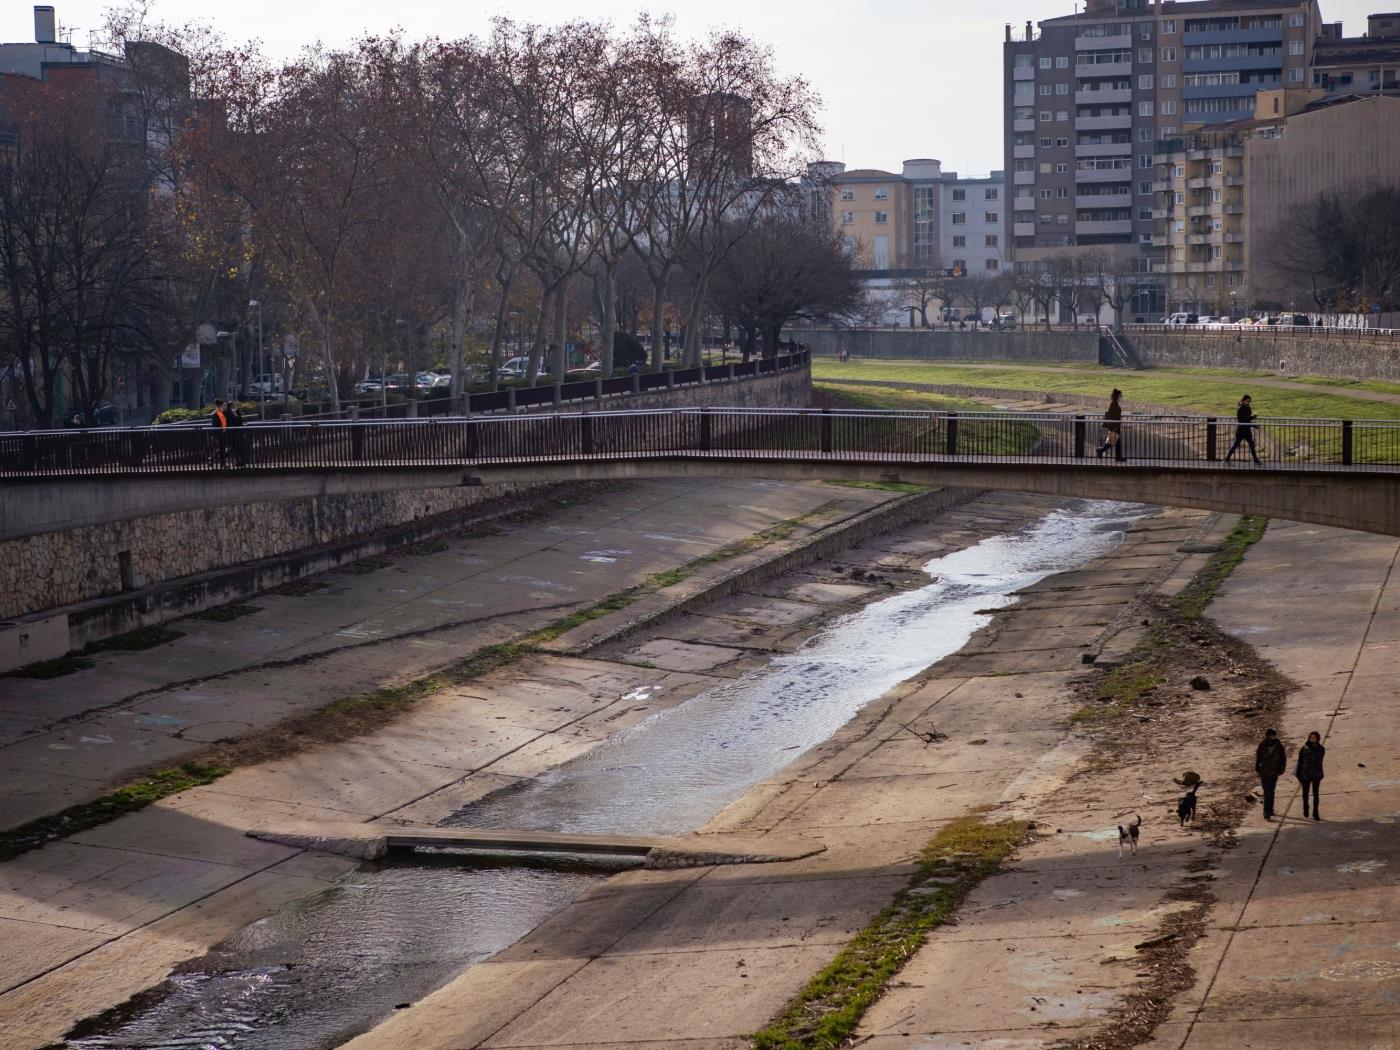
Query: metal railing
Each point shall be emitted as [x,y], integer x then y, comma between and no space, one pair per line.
[1261,330]
[730,433]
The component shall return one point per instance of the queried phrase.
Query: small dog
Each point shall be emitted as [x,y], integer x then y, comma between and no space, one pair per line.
[1186,805]
[1129,836]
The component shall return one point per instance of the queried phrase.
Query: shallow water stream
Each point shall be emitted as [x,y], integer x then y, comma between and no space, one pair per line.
[324,969]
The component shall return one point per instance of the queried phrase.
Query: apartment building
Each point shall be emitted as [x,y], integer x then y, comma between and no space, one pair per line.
[1224,191]
[1089,95]
[1368,64]
[919,218]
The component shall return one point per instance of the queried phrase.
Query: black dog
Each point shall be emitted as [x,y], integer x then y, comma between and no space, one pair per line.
[1186,805]
[1129,836]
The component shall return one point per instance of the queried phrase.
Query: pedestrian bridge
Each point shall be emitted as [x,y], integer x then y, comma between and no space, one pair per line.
[1329,472]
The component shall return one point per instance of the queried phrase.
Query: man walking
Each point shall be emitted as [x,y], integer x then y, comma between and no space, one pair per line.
[1112,427]
[1309,771]
[1244,430]
[218,419]
[1270,760]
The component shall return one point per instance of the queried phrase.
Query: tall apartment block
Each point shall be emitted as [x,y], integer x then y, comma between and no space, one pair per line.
[1089,95]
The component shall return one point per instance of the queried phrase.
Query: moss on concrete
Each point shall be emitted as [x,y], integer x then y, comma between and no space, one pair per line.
[827,1011]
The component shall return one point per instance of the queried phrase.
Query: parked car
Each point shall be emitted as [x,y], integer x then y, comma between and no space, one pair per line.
[265,386]
[1181,320]
[520,366]
[372,385]
[1004,322]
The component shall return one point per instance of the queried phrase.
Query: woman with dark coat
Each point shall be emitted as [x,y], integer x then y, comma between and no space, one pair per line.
[1112,426]
[1309,771]
[1244,430]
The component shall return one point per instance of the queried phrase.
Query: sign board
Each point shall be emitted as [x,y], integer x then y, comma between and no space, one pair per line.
[190,357]
[206,334]
[10,405]
[1375,308]
[291,345]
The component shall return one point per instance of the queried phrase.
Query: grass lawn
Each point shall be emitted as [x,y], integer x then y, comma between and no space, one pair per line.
[981,438]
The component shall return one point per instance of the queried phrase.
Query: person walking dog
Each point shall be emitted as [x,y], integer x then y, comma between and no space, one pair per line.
[1112,426]
[1270,760]
[1244,430]
[1309,771]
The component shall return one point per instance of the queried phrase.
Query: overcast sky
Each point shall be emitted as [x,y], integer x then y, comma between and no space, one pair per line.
[898,78]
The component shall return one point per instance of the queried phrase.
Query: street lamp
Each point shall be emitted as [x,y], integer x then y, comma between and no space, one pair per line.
[255,304]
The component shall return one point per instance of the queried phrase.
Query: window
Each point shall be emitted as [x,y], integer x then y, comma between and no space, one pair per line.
[1145,56]
[1145,31]
[960,195]
[1046,143]
[1145,134]
[1144,214]
[1045,62]
[1062,193]
[960,265]
[1045,169]
[1047,89]
[992,240]
[1062,143]
[993,264]
[1063,220]
[1168,54]
[1024,61]
[1145,82]
[881,193]
[1062,89]
[1179,171]
[1169,27]
[1295,47]
[1046,115]
[1145,109]
[1062,116]
[959,241]
[882,217]
[1295,75]
[992,193]
[1062,62]
[1045,195]
[1144,189]
[1168,107]
[1046,220]
[1167,132]
[847,218]
[1179,197]
[993,217]
[1168,80]
[959,218]
[1295,21]
[848,195]
[1145,161]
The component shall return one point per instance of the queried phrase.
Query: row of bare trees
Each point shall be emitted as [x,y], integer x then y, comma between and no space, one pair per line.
[1080,284]
[378,199]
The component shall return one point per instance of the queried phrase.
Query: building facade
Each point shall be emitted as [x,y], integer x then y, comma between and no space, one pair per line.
[1367,64]
[1089,95]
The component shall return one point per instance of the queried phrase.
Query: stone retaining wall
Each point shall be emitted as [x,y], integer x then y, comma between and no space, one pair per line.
[1332,355]
[935,344]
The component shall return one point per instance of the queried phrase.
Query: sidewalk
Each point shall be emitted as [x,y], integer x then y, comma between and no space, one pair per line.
[66,740]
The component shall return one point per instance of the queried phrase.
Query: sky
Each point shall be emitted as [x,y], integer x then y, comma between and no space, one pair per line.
[897,78]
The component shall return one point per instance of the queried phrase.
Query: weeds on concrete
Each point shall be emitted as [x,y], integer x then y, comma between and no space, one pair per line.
[134,641]
[226,613]
[827,1011]
[128,798]
[903,487]
[56,668]
[300,588]
[1148,666]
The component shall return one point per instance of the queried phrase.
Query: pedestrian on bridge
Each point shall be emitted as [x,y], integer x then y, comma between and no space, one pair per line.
[1244,430]
[1113,427]
[219,420]
[1270,760]
[1309,771]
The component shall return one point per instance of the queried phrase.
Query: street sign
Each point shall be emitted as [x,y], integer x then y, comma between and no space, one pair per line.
[190,358]
[10,405]
[206,334]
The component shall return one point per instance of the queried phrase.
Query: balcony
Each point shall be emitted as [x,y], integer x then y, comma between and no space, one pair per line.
[1198,211]
[1103,69]
[1104,175]
[1161,213]
[1023,73]
[1203,238]
[1197,183]
[1104,97]
[1023,125]
[1104,200]
[1124,42]
[1234,209]
[1234,36]
[1113,123]
[1104,149]
[1023,152]
[1234,238]
[1160,240]
[1229,65]
[1113,227]
[1024,178]
[1162,186]
[1234,266]
[1234,180]
[1023,229]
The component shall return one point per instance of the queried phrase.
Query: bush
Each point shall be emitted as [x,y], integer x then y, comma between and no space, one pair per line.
[248,408]
[627,350]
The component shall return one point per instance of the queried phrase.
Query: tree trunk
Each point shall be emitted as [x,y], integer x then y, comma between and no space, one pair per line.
[608,333]
[658,324]
[537,348]
[559,364]
[461,311]
[693,330]
[498,336]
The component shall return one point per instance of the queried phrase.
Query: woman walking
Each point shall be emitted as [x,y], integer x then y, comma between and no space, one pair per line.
[1244,430]
[1309,771]
[1112,426]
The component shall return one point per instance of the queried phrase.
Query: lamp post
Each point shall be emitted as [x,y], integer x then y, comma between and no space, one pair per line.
[262,374]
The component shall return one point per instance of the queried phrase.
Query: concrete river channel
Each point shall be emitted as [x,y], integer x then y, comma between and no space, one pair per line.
[324,969]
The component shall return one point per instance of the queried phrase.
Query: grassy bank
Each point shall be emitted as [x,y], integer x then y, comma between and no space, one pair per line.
[1001,439]
[827,1011]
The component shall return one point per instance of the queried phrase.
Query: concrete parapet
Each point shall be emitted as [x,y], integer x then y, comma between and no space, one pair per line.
[936,344]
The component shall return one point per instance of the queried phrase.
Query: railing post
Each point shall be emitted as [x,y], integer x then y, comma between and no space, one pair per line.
[952,447]
[357,442]
[472,444]
[1081,436]
[826,431]
[510,399]
[1212,439]
[411,409]
[558,394]
[704,430]
[1346,443]
[586,433]
[355,412]
[636,382]
[598,389]
[671,379]
[731,372]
